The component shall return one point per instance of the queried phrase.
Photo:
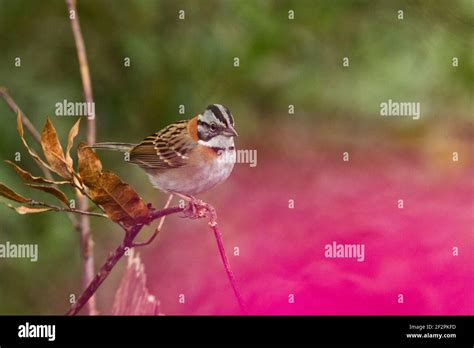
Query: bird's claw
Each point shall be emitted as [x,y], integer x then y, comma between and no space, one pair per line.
[195,209]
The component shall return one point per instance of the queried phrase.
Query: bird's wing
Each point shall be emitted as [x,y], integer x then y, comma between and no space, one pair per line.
[168,148]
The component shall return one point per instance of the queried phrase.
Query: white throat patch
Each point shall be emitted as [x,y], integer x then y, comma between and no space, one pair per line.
[218,141]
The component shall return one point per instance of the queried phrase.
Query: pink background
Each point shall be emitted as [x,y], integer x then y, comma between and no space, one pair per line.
[407,251]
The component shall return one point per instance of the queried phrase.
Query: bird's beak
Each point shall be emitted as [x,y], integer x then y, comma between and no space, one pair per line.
[230,132]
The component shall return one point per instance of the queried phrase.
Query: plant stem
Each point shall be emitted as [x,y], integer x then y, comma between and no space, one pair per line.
[114,257]
[84,67]
[26,121]
[229,272]
[69,210]
[84,222]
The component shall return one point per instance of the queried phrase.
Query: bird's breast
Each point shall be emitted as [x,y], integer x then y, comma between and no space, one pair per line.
[205,169]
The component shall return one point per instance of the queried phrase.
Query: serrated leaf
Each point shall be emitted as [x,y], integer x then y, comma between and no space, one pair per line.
[28,177]
[52,190]
[53,150]
[70,141]
[27,210]
[119,200]
[12,195]
[90,166]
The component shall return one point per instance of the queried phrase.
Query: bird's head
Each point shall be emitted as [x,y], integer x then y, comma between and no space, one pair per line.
[216,121]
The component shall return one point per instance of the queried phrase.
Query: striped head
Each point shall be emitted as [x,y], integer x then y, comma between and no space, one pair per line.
[215,122]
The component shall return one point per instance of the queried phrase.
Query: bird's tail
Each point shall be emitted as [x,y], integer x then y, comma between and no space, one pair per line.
[122,147]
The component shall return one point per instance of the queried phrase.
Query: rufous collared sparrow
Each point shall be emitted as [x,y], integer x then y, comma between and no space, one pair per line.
[186,157]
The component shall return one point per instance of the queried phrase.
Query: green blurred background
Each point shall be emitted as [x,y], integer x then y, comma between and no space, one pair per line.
[190,62]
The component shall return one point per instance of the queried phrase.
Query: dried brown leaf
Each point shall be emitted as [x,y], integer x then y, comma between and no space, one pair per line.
[119,200]
[70,141]
[28,177]
[52,190]
[90,166]
[53,150]
[30,150]
[10,194]
[27,210]
[19,124]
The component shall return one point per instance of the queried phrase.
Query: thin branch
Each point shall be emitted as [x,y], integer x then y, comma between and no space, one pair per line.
[26,121]
[115,256]
[84,223]
[150,240]
[70,210]
[84,67]
[157,229]
[15,108]
[226,263]
[211,212]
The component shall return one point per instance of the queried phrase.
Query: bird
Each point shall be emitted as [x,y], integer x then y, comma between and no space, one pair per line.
[187,157]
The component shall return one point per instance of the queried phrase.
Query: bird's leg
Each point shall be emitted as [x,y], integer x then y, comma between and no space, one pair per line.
[195,209]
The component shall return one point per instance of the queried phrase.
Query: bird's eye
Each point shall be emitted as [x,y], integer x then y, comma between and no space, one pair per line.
[213,127]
